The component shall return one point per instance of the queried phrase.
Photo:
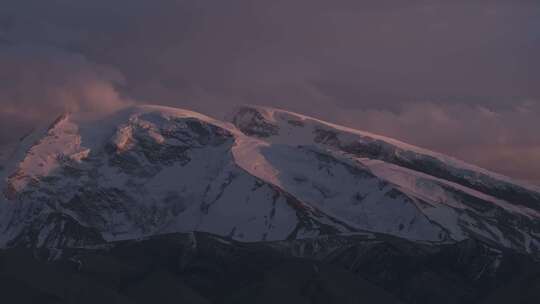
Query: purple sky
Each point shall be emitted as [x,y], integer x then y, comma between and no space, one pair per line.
[460,77]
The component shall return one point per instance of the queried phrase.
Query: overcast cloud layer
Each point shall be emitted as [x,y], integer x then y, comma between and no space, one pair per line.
[460,77]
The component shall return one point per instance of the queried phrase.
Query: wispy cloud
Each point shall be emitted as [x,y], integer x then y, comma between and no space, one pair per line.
[37,83]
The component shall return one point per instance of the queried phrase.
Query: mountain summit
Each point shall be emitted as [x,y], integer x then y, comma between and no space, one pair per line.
[266,174]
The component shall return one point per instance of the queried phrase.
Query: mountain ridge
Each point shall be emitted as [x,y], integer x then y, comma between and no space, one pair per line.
[267,174]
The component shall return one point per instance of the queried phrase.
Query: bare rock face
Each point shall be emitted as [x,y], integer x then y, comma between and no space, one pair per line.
[268,175]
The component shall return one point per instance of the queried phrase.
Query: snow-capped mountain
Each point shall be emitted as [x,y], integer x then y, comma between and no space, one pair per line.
[265,174]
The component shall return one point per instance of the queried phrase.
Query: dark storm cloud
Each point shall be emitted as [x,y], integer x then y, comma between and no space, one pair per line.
[456,76]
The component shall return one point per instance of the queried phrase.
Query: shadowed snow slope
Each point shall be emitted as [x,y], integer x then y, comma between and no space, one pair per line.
[266,175]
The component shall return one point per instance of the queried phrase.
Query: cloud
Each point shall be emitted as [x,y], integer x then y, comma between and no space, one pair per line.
[37,83]
[362,53]
[369,64]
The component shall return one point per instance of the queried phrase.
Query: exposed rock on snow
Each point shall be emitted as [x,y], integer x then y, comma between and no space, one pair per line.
[267,175]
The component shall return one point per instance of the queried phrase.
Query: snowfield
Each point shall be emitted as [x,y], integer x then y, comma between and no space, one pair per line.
[265,174]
